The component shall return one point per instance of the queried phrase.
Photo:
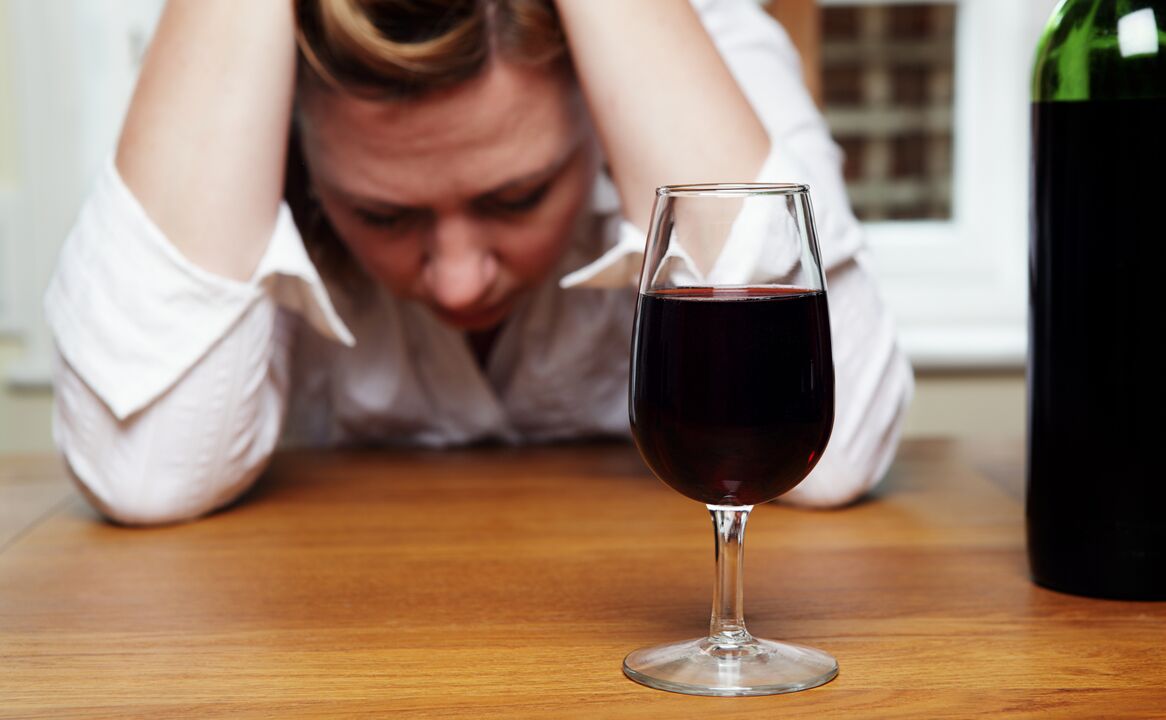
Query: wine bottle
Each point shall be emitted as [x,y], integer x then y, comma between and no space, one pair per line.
[1096,470]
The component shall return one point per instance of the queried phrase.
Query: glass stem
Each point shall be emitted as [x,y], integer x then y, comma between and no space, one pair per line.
[727,627]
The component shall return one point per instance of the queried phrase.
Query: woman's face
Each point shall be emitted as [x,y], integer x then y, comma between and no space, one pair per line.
[462,200]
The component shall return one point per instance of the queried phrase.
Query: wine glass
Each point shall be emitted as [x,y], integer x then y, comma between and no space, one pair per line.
[731,401]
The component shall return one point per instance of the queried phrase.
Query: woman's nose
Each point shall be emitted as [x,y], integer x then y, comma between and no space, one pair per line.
[461,267]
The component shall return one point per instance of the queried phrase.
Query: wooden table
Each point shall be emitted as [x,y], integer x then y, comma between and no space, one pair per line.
[510,583]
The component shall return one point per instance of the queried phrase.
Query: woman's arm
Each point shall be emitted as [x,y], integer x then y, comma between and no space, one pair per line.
[665,105]
[873,378]
[172,380]
[205,137]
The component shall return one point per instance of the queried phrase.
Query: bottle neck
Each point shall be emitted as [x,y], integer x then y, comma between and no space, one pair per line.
[1102,50]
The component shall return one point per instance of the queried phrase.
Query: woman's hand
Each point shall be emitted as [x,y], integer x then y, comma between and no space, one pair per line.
[205,137]
[666,108]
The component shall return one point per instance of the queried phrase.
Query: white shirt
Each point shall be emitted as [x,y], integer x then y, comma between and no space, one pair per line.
[173,383]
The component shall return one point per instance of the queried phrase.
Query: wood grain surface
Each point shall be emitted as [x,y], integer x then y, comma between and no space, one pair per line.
[30,488]
[511,583]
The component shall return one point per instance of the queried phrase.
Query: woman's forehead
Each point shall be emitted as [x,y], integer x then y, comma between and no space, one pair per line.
[508,123]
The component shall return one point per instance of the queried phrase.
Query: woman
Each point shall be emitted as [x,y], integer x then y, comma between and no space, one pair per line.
[474,183]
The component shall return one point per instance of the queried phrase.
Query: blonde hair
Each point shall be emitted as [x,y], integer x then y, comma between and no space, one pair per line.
[401,49]
[404,48]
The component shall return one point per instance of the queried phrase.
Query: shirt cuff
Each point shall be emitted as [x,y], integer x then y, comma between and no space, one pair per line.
[131,315]
[619,267]
[744,259]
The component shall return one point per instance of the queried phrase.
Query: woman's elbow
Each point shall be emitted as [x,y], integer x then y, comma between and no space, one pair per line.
[834,482]
[851,465]
[136,510]
[151,497]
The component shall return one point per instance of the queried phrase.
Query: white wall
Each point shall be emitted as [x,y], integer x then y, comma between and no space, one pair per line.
[24,412]
[69,68]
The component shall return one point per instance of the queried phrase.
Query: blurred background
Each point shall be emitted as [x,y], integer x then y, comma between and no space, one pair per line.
[928,99]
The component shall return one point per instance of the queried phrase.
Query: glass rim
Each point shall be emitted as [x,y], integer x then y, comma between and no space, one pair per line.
[731,189]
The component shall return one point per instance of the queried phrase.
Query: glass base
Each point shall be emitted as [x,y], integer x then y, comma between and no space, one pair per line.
[754,667]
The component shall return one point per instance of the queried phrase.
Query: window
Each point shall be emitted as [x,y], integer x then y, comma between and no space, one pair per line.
[930,102]
[887,81]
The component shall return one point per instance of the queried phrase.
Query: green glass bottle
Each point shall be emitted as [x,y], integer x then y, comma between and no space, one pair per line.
[1096,495]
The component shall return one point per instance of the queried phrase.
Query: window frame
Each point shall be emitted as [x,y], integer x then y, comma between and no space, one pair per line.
[958,287]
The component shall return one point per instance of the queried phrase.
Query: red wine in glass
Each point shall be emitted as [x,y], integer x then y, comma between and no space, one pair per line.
[732,400]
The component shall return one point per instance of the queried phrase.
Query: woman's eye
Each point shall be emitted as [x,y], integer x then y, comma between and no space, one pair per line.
[521,203]
[383,221]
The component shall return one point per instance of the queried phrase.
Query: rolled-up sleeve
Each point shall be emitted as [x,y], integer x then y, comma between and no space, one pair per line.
[130,314]
[171,381]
